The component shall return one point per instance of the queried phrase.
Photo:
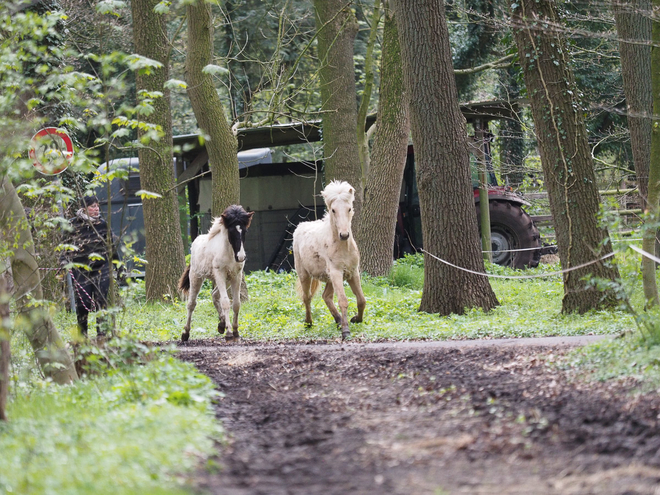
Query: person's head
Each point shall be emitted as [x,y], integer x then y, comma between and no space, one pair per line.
[91,205]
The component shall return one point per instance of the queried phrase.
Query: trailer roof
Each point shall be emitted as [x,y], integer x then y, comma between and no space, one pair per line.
[309,132]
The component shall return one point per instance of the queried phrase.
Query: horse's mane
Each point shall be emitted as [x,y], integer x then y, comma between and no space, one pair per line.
[338,190]
[234,214]
[216,227]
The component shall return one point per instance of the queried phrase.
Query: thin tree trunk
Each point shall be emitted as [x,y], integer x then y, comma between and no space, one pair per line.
[164,245]
[362,137]
[512,148]
[337,28]
[633,24]
[565,155]
[449,225]
[48,347]
[375,236]
[653,192]
[221,143]
[6,287]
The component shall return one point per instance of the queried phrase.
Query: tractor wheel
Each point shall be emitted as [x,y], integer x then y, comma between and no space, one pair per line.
[511,228]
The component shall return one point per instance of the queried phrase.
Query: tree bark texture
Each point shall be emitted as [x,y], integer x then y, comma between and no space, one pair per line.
[653,192]
[221,143]
[512,148]
[633,25]
[449,225]
[337,28]
[362,137]
[164,245]
[6,285]
[565,155]
[375,235]
[52,356]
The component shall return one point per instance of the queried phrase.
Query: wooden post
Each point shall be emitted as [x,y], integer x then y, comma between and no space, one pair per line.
[484,207]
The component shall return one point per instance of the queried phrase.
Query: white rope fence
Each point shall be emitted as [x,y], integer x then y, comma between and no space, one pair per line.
[540,275]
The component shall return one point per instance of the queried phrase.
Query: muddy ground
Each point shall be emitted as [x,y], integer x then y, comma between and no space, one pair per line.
[355,419]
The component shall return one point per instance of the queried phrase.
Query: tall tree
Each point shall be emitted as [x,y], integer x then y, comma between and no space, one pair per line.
[164,246]
[565,154]
[6,285]
[221,143]
[337,27]
[375,235]
[449,225]
[362,136]
[653,192]
[633,25]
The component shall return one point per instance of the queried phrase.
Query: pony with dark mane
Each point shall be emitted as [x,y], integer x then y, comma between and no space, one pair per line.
[325,251]
[219,256]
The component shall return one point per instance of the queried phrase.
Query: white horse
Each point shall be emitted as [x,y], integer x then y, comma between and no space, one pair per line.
[325,251]
[219,256]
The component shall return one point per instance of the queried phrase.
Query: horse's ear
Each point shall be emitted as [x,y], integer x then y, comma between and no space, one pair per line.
[223,219]
[250,214]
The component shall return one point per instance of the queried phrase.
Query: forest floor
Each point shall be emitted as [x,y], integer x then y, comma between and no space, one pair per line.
[423,418]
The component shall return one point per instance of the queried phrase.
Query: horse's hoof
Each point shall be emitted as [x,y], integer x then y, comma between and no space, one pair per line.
[345,334]
[355,319]
[185,336]
[221,328]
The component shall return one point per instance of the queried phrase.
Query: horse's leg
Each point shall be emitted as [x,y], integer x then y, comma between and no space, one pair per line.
[356,287]
[216,302]
[306,295]
[195,286]
[236,301]
[221,286]
[328,297]
[337,279]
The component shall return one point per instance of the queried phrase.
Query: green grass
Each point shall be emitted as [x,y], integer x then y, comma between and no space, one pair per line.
[528,308]
[626,358]
[136,429]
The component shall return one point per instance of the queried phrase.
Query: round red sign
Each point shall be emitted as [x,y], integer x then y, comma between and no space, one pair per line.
[51,151]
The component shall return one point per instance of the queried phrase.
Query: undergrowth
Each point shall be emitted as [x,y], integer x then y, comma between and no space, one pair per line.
[129,427]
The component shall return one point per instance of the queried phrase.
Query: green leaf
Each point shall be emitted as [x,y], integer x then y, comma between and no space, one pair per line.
[215,69]
[175,84]
[148,194]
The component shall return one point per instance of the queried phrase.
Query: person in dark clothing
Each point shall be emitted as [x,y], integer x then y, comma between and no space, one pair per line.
[88,234]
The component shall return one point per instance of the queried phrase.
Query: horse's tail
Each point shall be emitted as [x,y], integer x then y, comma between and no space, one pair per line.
[314,287]
[184,281]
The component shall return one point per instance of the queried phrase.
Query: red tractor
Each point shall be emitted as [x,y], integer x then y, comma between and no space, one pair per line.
[515,240]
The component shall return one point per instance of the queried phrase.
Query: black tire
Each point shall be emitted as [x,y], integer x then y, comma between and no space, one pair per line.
[512,228]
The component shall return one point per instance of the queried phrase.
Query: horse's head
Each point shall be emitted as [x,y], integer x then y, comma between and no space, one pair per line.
[339,197]
[237,221]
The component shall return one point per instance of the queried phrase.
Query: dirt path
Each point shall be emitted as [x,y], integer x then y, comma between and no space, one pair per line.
[423,418]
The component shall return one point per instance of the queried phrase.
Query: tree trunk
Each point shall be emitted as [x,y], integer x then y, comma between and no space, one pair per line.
[653,191]
[5,339]
[375,235]
[449,225]
[565,155]
[362,137]
[633,24]
[337,28]
[221,143]
[48,347]
[164,246]
[512,147]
